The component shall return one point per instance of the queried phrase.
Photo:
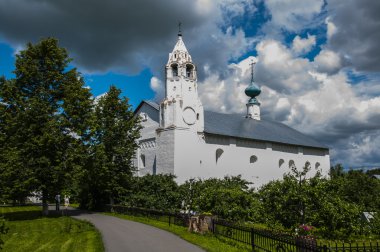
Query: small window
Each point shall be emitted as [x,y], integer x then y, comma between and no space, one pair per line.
[317,164]
[174,88]
[281,162]
[189,88]
[307,164]
[142,160]
[291,164]
[197,116]
[253,159]
[175,55]
[218,154]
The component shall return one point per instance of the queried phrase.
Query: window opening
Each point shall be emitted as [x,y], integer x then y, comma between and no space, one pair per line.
[252,159]
[175,70]
[218,154]
[142,159]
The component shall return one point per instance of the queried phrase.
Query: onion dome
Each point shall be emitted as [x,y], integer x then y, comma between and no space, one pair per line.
[252,90]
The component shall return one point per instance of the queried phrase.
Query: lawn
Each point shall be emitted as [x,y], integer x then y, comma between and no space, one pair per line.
[208,242]
[29,231]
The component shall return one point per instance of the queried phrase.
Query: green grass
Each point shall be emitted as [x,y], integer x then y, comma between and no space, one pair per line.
[207,241]
[29,231]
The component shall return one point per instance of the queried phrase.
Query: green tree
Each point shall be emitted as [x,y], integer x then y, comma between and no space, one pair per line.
[299,199]
[229,198]
[112,146]
[155,192]
[46,112]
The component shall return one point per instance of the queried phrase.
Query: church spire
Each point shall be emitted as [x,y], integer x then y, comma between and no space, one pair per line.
[253,105]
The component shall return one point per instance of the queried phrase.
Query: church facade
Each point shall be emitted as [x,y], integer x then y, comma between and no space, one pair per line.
[179,137]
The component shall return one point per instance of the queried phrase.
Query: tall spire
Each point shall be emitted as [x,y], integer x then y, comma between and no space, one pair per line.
[253,105]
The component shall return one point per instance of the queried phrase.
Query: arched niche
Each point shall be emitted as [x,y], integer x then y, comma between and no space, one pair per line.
[253,159]
[218,154]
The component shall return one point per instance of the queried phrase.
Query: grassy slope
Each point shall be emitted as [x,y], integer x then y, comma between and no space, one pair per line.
[28,231]
[207,242]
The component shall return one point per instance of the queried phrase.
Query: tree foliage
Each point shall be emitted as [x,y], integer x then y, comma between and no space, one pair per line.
[111,148]
[46,108]
[228,198]
[159,192]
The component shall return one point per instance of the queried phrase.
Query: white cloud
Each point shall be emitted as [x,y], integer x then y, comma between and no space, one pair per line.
[293,15]
[158,87]
[227,95]
[328,61]
[331,28]
[279,70]
[303,45]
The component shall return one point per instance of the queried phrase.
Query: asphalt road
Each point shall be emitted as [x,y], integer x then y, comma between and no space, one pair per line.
[124,236]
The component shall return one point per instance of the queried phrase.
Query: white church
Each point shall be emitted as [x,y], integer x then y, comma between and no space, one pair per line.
[181,138]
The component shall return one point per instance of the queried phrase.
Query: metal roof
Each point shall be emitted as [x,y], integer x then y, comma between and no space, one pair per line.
[150,103]
[236,125]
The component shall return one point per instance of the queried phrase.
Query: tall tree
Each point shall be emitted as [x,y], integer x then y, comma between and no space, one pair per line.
[47,109]
[112,148]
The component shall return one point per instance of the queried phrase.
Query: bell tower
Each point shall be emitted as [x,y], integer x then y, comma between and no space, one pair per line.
[181,107]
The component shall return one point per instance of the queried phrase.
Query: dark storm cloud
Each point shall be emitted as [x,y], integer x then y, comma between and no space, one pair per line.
[101,35]
[358,32]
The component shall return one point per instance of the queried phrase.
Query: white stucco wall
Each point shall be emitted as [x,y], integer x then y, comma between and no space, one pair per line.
[194,158]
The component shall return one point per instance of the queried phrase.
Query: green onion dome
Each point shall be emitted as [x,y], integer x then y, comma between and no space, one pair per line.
[252,91]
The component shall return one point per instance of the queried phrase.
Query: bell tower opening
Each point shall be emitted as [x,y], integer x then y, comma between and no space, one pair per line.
[174,70]
[189,71]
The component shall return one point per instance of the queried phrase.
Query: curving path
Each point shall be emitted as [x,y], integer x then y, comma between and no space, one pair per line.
[124,236]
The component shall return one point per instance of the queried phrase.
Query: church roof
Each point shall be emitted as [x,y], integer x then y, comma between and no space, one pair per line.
[180,45]
[236,125]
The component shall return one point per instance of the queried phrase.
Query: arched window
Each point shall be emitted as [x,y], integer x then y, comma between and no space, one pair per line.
[317,164]
[174,70]
[252,159]
[291,164]
[189,71]
[142,160]
[280,162]
[307,164]
[218,154]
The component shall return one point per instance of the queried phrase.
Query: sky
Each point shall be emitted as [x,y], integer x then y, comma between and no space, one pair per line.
[318,61]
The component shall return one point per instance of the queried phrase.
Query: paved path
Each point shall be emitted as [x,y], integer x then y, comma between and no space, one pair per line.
[124,236]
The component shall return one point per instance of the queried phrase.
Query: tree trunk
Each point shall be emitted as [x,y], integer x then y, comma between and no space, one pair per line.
[45,206]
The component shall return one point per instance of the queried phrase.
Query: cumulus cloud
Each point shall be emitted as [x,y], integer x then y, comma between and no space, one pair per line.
[293,15]
[158,87]
[353,29]
[328,61]
[279,70]
[303,45]
[227,94]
